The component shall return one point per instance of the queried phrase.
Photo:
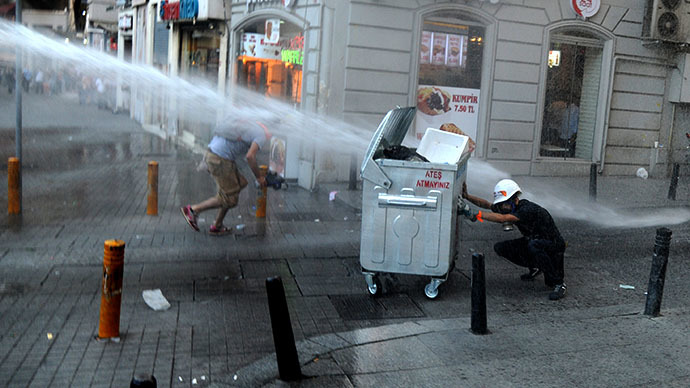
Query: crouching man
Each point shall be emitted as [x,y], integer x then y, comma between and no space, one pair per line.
[540,249]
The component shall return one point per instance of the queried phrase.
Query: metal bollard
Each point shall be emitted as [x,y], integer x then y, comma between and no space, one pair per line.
[286,351]
[14,188]
[143,381]
[352,183]
[478,320]
[593,182]
[152,203]
[111,292]
[262,195]
[674,182]
[657,275]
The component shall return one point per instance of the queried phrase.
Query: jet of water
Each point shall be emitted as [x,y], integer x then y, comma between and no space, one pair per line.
[563,202]
[197,100]
[201,103]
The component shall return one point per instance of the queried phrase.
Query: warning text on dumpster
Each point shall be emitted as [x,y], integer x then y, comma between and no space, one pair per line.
[433,180]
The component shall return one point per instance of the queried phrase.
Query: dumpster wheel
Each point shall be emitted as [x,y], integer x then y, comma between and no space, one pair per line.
[373,283]
[431,289]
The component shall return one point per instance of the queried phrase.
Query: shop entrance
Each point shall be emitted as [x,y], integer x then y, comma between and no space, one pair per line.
[571,100]
[270,63]
[201,52]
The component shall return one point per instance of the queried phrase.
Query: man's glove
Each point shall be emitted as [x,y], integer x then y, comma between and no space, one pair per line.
[465,211]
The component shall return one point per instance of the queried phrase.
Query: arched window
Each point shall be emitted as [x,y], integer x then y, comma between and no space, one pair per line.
[451,52]
[573,90]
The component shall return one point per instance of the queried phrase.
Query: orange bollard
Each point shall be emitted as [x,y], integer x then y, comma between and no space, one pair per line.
[111,292]
[152,205]
[261,195]
[14,192]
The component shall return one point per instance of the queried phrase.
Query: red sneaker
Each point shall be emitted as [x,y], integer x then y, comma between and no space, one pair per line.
[223,230]
[189,216]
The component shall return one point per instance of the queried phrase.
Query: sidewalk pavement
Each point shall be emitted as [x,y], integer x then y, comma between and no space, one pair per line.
[615,346]
[85,182]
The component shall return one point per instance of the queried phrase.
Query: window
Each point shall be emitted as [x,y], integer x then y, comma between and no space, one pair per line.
[272,68]
[450,70]
[572,96]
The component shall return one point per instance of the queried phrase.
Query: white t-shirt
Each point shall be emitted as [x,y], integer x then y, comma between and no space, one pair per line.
[231,140]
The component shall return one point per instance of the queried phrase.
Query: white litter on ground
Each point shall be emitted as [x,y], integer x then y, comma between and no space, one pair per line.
[626,287]
[155,299]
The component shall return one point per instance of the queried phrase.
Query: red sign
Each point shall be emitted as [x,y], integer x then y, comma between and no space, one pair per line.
[586,8]
[171,11]
[433,180]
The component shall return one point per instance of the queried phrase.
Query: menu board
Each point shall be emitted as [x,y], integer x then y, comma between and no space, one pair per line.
[438,48]
[425,50]
[455,47]
[438,51]
[255,45]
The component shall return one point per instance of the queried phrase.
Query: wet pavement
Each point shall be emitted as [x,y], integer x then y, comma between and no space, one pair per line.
[84,181]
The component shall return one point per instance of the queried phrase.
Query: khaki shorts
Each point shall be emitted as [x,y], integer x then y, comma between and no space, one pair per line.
[228,179]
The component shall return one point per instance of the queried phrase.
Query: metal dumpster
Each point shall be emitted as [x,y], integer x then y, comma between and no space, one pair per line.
[409,209]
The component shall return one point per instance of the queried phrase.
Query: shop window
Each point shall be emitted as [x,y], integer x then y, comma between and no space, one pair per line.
[203,54]
[270,62]
[572,96]
[450,73]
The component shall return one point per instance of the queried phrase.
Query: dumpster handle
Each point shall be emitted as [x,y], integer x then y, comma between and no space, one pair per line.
[404,203]
[407,201]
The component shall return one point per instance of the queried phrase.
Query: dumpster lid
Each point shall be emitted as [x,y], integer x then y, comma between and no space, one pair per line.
[391,131]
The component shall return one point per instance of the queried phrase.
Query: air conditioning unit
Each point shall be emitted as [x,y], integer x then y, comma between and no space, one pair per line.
[666,21]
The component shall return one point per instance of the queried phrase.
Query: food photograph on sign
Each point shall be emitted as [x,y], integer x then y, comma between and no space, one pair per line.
[432,100]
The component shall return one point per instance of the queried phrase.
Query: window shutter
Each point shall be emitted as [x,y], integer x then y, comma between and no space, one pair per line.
[589,100]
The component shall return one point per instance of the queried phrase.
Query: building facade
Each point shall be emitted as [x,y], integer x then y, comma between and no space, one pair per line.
[544,87]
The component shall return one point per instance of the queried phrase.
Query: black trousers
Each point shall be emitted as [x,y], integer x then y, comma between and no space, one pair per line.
[543,254]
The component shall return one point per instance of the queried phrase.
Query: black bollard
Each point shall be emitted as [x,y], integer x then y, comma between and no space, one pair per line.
[352,184]
[657,275]
[286,352]
[478,323]
[143,381]
[593,182]
[674,182]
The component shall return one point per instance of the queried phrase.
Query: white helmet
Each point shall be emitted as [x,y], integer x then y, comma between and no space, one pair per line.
[505,189]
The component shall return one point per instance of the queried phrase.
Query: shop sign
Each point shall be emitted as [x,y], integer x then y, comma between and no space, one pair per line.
[277,158]
[251,4]
[125,22]
[292,56]
[272,30]
[294,51]
[438,105]
[255,45]
[586,8]
[180,10]
[554,58]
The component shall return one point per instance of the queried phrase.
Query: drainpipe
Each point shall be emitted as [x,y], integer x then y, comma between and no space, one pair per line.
[610,97]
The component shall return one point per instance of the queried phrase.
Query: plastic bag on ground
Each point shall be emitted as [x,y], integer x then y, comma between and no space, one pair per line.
[155,299]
